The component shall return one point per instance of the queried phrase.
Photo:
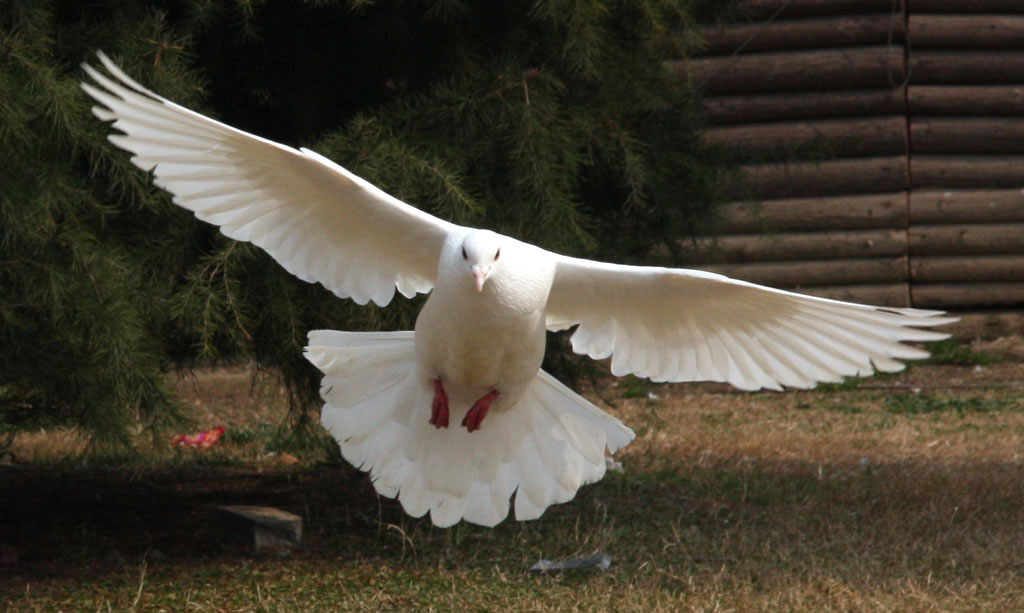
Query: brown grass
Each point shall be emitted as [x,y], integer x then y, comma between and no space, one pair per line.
[898,494]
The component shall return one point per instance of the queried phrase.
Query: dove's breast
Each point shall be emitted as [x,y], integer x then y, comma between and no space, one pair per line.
[486,340]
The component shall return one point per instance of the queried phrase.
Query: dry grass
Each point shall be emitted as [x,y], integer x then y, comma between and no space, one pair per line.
[899,494]
[47,445]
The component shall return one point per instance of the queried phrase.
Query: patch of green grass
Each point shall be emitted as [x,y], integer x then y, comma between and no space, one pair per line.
[916,404]
[312,442]
[245,436]
[635,387]
[847,384]
[954,352]
[845,408]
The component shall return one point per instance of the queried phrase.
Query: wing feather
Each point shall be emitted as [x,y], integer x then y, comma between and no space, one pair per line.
[319,221]
[685,325]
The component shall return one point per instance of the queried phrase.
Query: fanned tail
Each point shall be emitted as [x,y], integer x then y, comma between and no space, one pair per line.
[377,406]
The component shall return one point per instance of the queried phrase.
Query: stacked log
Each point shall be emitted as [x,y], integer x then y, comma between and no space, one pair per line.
[822,80]
[912,128]
[861,136]
[787,71]
[765,9]
[966,108]
[967,247]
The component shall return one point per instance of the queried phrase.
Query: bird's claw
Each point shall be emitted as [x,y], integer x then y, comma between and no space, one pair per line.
[439,408]
[475,416]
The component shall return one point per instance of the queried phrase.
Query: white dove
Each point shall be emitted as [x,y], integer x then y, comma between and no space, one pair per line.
[395,400]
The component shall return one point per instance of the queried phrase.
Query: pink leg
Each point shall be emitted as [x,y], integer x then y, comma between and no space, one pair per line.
[475,416]
[439,408]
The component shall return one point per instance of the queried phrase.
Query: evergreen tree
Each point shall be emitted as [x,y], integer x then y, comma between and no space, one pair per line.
[551,121]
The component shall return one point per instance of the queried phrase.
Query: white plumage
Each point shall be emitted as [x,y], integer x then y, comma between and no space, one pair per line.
[474,358]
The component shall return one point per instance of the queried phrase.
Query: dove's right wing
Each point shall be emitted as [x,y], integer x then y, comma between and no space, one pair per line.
[319,221]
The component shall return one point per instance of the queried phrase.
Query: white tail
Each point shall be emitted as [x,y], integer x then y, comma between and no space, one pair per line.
[377,406]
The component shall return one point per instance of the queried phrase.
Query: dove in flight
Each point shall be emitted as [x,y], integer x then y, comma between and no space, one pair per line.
[455,417]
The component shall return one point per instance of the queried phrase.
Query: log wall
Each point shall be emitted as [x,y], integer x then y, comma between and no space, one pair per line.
[916,117]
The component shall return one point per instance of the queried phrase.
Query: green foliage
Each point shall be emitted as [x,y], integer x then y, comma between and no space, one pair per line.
[551,121]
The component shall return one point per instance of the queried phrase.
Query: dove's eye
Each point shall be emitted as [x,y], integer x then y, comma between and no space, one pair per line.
[497,254]
[464,256]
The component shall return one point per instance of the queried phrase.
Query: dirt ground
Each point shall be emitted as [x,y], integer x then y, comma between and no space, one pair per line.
[60,519]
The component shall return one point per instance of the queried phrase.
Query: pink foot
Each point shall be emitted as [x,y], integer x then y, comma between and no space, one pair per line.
[439,408]
[475,416]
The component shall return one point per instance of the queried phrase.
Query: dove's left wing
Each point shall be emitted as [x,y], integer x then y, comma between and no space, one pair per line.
[685,325]
[319,221]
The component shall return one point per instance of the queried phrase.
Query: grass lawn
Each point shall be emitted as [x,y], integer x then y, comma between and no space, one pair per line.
[896,493]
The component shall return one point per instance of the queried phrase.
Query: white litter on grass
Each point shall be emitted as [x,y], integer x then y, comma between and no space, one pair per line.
[601,561]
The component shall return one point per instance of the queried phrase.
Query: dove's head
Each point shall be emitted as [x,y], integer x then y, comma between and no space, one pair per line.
[481,250]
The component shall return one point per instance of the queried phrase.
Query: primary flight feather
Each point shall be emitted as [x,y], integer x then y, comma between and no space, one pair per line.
[457,416]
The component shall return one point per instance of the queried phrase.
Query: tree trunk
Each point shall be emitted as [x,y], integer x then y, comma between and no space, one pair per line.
[891,294]
[971,135]
[948,295]
[966,31]
[818,272]
[866,212]
[803,179]
[965,6]
[853,68]
[965,100]
[843,31]
[741,248]
[764,9]
[808,105]
[967,171]
[979,239]
[986,206]
[972,269]
[962,67]
[837,137]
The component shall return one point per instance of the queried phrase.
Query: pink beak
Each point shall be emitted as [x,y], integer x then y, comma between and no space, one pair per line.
[480,275]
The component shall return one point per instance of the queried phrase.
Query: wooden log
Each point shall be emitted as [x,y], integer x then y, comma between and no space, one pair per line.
[965,6]
[965,100]
[807,105]
[805,179]
[967,269]
[829,32]
[889,294]
[987,324]
[960,295]
[962,67]
[986,206]
[967,171]
[966,31]
[788,71]
[967,135]
[833,137]
[974,239]
[763,9]
[742,248]
[818,272]
[865,212]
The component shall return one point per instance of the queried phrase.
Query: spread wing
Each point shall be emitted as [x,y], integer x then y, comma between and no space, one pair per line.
[318,220]
[686,325]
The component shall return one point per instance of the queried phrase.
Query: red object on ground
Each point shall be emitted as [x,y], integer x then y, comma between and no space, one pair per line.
[203,440]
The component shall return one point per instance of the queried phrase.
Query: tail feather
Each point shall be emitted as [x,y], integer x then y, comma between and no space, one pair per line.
[377,406]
